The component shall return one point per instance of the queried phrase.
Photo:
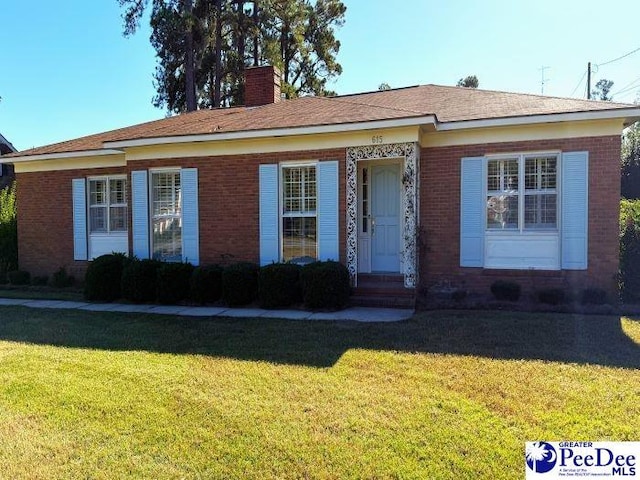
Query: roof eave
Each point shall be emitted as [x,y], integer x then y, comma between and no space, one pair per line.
[276,132]
[627,115]
[58,156]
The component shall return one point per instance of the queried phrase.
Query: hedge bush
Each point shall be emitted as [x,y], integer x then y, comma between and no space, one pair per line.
[140,279]
[240,283]
[206,284]
[173,281]
[325,285]
[39,280]
[102,280]
[630,264]
[505,290]
[8,231]
[61,279]
[593,296]
[551,296]
[279,285]
[19,277]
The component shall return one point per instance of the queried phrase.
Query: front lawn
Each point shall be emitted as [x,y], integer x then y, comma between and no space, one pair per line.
[445,395]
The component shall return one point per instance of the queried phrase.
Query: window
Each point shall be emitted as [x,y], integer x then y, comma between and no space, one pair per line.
[108,205]
[522,193]
[166,216]
[299,223]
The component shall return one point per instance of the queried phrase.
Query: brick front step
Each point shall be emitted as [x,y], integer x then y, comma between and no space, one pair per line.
[382,290]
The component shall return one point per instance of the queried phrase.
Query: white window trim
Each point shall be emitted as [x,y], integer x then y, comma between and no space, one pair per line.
[108,233]
[521,156]
[527,236]
[153,171]
[281,214]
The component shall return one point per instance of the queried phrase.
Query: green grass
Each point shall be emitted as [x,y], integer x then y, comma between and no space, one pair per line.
[445,395]
[41,293]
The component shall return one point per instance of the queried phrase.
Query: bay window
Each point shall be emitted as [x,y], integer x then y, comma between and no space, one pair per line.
[299,219]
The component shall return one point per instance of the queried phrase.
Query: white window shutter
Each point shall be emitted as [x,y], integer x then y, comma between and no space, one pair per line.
[140,213]
[472,207]
[190,230]
[327,211]
[575,210]
[269,221]
[79,191]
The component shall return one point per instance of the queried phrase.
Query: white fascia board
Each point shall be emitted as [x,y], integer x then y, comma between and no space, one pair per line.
[59,156]
[276,132]
[623,114]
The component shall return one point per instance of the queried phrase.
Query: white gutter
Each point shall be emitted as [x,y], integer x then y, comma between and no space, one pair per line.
[57,156]
[275,132]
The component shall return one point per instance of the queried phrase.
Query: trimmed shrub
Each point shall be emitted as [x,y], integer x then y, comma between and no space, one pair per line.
[8,231]
[593,296]
[325,285]
[139,280]
[61,279]
[240,283]
[505,290]
[459,295]
[102,280]
[173,282]
[206,284]
[19,277]
[279,285]
[630,264]
[39,280]
[551,296]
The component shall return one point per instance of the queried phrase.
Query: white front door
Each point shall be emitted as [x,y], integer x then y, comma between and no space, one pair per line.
[385,218]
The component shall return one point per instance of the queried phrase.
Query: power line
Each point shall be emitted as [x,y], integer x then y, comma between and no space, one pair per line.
[579,83]
[619,58]
[631,86]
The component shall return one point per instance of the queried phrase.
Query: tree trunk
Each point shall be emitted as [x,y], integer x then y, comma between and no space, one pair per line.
[189,67]
[256,36]
[218,54]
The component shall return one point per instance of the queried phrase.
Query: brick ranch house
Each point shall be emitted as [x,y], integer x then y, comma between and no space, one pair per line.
[426,185]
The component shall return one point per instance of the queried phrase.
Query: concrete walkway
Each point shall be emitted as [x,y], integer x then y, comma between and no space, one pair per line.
[358,314]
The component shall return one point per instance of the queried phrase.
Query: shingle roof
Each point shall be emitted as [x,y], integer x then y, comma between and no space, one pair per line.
[448,104]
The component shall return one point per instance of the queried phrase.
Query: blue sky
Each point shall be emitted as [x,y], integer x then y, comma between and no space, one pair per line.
[66,70]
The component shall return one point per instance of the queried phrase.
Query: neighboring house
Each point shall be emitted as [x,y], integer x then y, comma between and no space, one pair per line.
[6,170]
[428,184]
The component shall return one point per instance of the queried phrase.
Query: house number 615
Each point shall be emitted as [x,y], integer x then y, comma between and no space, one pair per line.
[376,139]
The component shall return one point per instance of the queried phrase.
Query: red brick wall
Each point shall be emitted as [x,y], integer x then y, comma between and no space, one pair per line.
[440,216]
[228,203]
[45,222]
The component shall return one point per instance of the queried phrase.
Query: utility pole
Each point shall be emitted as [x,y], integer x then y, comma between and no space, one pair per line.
[589,81]
[542,79]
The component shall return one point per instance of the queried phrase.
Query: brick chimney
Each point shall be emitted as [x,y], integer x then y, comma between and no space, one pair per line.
[261,86]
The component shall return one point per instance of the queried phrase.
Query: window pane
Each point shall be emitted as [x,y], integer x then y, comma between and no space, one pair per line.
[299,238]
[502,211]
[167,217]
[97,192]
[118,219]
[540,173]
[98,219]
[502,175]
[540,211]
[117,191]
[299,189]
